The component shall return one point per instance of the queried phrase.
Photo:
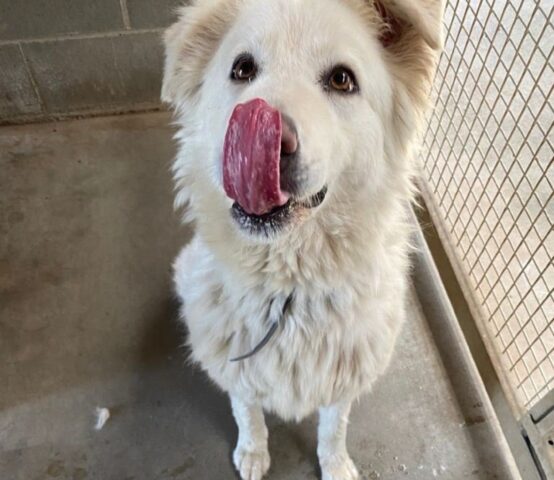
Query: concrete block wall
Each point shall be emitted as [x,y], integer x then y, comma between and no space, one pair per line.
[62,58]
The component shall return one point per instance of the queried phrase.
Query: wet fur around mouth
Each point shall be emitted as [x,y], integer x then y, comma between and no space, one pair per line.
[278,218]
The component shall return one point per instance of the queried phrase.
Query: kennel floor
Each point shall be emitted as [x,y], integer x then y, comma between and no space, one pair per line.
[87,320]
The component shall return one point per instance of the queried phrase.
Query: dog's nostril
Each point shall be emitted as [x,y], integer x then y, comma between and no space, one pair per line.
[289,138]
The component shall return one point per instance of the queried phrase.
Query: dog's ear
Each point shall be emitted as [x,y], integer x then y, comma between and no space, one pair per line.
[423,16]
[190,43]
[411,32]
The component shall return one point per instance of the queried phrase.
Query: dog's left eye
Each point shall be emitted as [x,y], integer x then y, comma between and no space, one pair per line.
[342,80]
[244,68]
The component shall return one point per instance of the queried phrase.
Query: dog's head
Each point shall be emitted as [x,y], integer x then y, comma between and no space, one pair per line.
[288,105]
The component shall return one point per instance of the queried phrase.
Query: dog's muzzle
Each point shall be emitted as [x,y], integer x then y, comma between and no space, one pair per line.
[261,171]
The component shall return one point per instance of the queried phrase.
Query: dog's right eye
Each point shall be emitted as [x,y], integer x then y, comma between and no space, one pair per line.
[244,68]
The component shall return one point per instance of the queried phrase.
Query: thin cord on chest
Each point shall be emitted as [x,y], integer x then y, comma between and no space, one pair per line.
[270,333]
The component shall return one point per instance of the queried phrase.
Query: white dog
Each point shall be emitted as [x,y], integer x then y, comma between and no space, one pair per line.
[296,120]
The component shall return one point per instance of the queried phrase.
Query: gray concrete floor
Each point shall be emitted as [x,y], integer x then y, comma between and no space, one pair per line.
[87,319]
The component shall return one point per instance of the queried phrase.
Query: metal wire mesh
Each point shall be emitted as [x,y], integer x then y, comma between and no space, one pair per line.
[487,159]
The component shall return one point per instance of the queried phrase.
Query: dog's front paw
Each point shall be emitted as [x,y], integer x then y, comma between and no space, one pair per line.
[338,467]
[252,465]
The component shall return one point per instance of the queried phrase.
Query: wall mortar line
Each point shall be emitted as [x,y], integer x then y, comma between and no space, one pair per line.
[125,14]
[32,80]
[84,36]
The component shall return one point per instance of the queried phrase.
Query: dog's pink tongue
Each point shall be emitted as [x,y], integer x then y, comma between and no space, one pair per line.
[251,157]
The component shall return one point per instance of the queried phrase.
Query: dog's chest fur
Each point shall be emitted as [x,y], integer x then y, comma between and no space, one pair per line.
[332,344]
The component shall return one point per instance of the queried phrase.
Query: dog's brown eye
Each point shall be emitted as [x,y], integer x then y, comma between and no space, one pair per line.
[341,79]
[244,68]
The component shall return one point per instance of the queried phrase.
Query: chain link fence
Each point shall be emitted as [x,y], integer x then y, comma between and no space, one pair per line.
[488,180]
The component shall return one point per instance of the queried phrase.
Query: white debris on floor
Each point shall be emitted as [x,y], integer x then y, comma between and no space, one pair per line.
[102,416]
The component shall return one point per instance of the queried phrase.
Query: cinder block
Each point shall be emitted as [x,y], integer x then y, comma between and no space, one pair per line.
[27,19]
[92,74]
[17,96]
[149,14]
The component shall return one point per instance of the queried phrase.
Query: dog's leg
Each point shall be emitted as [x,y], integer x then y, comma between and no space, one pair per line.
[331,446]
[251,456]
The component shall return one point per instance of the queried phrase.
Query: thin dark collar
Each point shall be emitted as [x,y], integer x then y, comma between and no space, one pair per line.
[272,329]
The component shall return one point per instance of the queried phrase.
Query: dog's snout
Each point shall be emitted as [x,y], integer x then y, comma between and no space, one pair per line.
[289,137]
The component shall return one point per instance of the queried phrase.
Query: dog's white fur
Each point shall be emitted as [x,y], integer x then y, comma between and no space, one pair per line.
[346,261]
